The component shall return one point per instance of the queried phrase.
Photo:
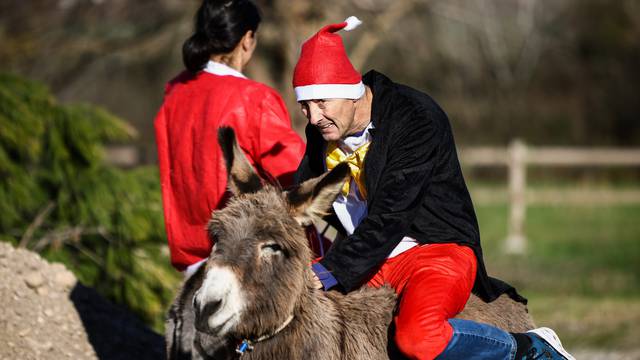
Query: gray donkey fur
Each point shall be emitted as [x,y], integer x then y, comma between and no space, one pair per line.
[257,283]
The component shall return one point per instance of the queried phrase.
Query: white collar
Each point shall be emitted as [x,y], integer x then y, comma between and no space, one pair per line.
[353,142]
[222,69]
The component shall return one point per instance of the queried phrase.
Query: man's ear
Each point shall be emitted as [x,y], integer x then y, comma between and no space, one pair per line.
[241,176]
[313,198]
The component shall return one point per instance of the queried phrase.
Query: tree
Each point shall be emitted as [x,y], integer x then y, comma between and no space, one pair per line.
[59,198]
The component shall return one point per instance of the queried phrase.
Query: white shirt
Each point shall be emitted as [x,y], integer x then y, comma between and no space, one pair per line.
[352,209]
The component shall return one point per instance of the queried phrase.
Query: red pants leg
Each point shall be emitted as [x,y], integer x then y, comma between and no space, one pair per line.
[434,283]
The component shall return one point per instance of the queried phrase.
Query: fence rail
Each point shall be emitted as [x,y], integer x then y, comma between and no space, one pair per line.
[518,156]
[123,155]
[551,156]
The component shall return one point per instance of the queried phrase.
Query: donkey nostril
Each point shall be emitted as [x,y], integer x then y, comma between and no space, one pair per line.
[211,308]
[202,314]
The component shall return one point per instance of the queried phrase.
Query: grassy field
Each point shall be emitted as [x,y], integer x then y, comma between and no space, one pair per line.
[581,272]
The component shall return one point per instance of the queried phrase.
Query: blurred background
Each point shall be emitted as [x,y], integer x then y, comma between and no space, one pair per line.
[543,97]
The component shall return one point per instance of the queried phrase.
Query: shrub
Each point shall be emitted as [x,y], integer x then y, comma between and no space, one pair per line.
[58,197]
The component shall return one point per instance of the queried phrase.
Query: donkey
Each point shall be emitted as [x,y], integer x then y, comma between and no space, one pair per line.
[254,297]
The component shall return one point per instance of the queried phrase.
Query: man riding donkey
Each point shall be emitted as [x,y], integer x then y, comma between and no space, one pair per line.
[406,212]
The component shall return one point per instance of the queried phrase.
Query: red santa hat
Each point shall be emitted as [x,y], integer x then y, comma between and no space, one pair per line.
[324,70]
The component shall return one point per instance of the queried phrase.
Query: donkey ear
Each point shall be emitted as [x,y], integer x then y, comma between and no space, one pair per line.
[313,198]
[241,176]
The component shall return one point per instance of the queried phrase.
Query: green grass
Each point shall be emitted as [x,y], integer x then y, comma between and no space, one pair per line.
[589,322]
[581,270]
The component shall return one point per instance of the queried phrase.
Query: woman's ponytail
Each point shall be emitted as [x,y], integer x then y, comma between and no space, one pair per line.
[219,27]
[196,52]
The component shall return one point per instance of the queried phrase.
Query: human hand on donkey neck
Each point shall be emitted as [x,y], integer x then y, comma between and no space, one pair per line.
[322,278]
[316,282]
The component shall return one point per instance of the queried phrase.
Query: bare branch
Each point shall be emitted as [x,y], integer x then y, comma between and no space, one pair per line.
[371,38]
[371,5]
[496,47]
[66,236]
[37,222]
[86,252]
[512,49]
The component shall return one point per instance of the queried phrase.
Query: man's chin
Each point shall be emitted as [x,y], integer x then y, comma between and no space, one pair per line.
[330,136]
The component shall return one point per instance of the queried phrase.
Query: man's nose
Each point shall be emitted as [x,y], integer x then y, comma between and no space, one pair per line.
[315,117]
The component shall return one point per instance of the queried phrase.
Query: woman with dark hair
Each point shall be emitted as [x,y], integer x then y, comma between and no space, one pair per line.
[213,92]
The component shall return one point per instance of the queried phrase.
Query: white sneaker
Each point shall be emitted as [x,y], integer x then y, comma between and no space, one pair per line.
[551,339]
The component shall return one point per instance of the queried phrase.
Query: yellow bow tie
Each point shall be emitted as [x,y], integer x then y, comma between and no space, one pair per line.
[355,161]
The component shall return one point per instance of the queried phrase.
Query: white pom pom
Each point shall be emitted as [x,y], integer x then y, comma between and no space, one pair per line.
[352,23]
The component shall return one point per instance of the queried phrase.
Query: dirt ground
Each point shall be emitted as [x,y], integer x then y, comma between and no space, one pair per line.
[46,314]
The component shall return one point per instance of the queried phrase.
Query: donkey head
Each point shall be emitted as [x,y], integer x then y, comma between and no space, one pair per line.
[259,268]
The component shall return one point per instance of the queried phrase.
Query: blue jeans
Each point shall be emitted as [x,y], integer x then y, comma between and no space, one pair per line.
[473,340]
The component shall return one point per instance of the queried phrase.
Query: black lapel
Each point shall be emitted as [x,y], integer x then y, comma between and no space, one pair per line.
[376,156]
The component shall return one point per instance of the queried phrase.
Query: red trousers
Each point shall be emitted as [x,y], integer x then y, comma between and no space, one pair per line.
[434,283]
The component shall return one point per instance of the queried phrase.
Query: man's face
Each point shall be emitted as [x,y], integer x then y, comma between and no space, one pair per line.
[334,118]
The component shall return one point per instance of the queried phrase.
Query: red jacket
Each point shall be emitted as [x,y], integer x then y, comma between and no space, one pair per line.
[192,172]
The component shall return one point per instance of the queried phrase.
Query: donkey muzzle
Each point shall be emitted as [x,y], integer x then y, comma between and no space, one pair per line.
[219,302]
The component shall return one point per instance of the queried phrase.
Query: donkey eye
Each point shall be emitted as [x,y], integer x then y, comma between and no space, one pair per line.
[271,249]
[216,249]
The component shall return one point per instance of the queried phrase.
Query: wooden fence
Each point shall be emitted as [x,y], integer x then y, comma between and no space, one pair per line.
[125,156]
[518,156]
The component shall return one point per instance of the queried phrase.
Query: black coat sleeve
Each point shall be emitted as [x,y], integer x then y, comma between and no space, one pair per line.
[412,155]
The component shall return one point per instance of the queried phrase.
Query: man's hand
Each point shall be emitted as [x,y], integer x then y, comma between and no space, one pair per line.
[322,278]
[316,282]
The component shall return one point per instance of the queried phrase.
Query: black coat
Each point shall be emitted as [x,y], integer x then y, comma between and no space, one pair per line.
[414,186]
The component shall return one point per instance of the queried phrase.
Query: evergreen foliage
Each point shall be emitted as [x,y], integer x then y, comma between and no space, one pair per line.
[58,197]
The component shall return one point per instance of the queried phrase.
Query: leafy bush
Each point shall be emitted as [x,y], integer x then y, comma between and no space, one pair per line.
[58,197]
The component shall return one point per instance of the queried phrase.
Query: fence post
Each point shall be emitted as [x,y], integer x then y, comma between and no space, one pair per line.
[516,242]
